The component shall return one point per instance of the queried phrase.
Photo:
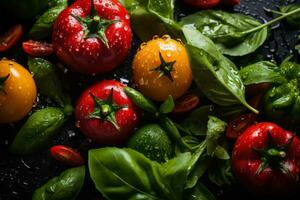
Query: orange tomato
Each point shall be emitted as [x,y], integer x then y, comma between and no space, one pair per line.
[161,67]
[17,91]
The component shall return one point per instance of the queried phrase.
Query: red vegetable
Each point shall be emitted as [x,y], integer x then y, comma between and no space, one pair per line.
[255,89]
[105,114]
[266,159]
[239,124]
[230,2]
[35,48]
[66,155]
[204,4]
[11,37]
[186,104]
[92,36]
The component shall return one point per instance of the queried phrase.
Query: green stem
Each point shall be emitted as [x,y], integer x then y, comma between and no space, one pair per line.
[284,15]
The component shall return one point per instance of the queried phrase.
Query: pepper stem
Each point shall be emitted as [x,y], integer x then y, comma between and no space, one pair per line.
[106,109]
[94,26]
[273,155]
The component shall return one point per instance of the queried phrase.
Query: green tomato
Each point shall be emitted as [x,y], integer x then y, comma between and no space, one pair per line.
[152,141]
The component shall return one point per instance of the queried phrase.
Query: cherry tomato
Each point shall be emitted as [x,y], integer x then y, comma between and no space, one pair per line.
[161,68]
[18,91]
[11,37]
[105,114]
[35,48]
[66,155]
[204,4]
[186,103]
[239,124]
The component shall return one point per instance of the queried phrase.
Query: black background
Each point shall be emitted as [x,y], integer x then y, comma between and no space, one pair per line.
[20,176]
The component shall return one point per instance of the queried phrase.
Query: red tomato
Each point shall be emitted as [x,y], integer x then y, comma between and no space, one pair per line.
[11,37]
[239,124]
[204,4]
[92,36]
[105,114]
[66,155]
[230,2]
[186,104]
[266,159]
[35,48]
[255,89]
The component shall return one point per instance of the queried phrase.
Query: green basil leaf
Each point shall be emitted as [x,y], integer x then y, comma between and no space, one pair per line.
[215,129]
[167,106]
[221,174]
[47,80]
[221,153]
[214,74]
[42,28]
[293,20]
[127,174]
[54,3]
[297,47]
[66,186]
[196,123]
[38,131]
[261,72]
[227,30]
[152,17]
[200,192]
[198,171]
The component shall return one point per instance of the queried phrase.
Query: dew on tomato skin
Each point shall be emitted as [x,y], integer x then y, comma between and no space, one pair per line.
[166,37]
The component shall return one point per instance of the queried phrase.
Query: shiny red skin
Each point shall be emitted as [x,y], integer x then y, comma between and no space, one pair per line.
[101,131]
[11,37]
[37,49]
[204,4]
[66,155]
[186,104]
[90,55]
[245,161]
[239,124]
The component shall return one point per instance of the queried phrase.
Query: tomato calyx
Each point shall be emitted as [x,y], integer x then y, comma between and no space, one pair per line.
[106,109]
[2,81]
[273,156]
[94,26]
[165,68]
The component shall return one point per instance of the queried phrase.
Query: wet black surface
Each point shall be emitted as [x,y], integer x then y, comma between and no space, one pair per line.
[19,176]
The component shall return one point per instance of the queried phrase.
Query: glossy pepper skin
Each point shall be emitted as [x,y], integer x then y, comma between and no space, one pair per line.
[283,101]
[266,160]
[92,36]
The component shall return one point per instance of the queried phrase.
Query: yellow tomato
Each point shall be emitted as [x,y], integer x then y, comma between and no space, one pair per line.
[17,91]
[161,68]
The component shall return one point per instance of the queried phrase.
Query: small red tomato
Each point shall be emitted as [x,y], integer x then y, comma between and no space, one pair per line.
[239,124]
[92,36]
[186,103]
[204,4]
[66,155]
[257,101]
[11,37]
[230,2]
[105,114]
[35,48]
[266,159]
